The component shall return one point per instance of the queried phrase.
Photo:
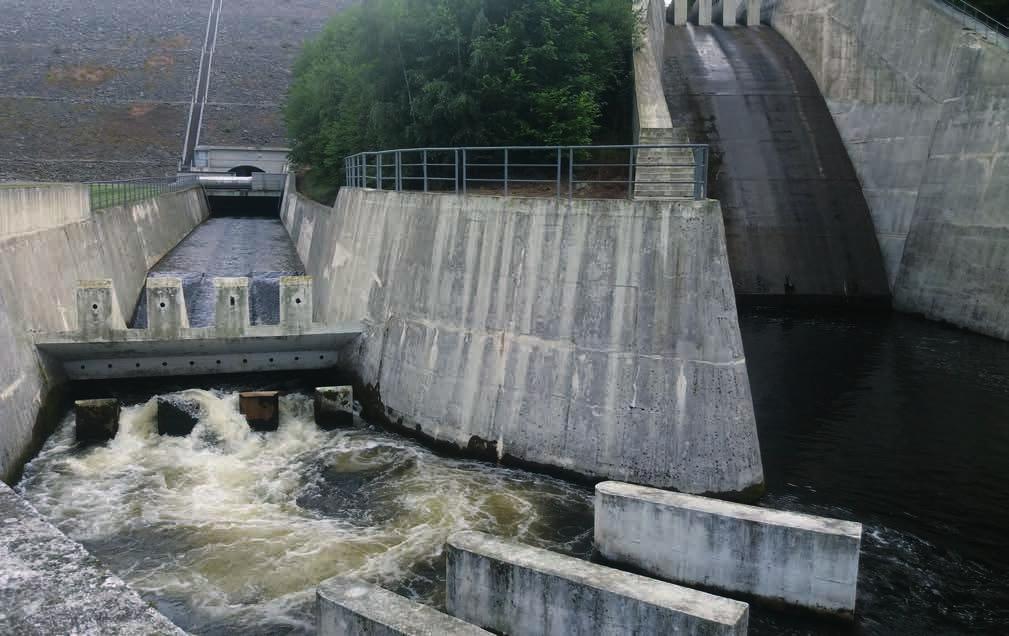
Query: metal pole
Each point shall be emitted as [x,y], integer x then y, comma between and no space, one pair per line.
[571,174]
[506,171]
[424,161]
[379,177]
[456,166]
[464,171]
[399,172]
[630,173]
[558,172]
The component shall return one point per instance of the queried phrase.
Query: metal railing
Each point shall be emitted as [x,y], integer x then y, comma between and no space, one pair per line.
[977,20]
[660,170]
[106,194]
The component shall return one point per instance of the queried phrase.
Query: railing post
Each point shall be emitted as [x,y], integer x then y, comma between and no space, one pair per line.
[378,159]
[506,172]
[455,165]
[399,172]
[424,162]
[464,171]
[571,174]
[700,172]
[630,172]
[558,172]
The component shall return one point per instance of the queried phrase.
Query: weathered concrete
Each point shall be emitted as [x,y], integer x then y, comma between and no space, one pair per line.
[39,274]
[51,585]
[348,606]
[334,406]
[261,409]
[30,208]
[781,556]
[597,337]
[921,105]
[177,417]
[96,420]
[513,588]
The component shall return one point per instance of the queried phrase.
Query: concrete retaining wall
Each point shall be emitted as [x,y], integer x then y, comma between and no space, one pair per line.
[517,589]
[39,273]
[786,557]
[652,123]
[922,106]
[38,207]
[596,337]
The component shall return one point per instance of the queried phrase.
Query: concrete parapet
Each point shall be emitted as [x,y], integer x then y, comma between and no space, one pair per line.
[347,607]
[96,420]
[34,207]
[296,302]
[98,314]
[231,315]
[261,409]
[513,588]
[334,406]
[787,557]
[166,306]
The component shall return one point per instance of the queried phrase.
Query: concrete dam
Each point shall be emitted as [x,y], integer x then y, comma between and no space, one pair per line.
[688,408]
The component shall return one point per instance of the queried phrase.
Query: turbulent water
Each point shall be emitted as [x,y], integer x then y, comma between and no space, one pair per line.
[229,531]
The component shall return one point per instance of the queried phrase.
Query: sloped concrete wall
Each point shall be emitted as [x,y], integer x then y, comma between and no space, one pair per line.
[36,207]
[922,106]
[39,272]
[652,123]
[596,337]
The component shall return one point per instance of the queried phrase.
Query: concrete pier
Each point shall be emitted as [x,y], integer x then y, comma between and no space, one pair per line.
[261,409]
[513,588]
[166,306]
[96,420]
[729,10]
[176,418]
[752,12]
[296,302]
[704,12]
[98,314]
[680,12]
[231,309]
[798,559]
[347,606]
[334,406]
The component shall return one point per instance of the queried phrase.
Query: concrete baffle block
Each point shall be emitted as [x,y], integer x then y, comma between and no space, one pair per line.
[296,302]
[261,409]
[346,606]
[96,420]
[98,314]
[784,557]
[334,406]
[231,307]
[511,588]
[166,306]
[752,12]
[177,417]
[681,10]
[730,9]
[704,12]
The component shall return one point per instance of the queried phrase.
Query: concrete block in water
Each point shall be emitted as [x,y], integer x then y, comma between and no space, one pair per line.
[166,306]
[296,302]
[512,588]
[96,420]
[346,606]
[261,409]
[334,406]
[231,309]
[98,312]
[177,417]
[786,557]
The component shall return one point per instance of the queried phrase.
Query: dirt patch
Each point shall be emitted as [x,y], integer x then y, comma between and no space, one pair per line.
[159,61]
[139,110]
[174,42]
[84,74]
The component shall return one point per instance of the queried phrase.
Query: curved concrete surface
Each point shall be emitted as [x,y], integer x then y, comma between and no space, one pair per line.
[796,220]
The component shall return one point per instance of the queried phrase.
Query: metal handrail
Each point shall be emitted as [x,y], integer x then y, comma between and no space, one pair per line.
[670,170]
[977,20]
[106,194]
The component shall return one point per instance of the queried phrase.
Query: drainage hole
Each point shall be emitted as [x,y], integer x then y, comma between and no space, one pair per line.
[162,305]
[218,362]
[94,306]
[232,301]
[138,365]
[321,357]
[110,366]
[245,360]
[164,364]
[82,366]
[271,359]
[297,301]
[296,358]
[191,363]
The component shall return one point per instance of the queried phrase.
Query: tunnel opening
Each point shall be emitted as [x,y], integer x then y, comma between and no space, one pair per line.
[244,171]
[243,206]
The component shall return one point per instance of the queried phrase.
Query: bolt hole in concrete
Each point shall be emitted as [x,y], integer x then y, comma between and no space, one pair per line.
[228,531]
[162,305]
[297,301]
[94,306]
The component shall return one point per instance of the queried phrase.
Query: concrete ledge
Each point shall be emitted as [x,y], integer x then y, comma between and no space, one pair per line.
[347,606]
[781,556]
[517,589]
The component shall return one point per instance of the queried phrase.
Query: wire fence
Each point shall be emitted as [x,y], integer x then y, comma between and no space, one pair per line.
[977,20]
[637,171]
[106,194]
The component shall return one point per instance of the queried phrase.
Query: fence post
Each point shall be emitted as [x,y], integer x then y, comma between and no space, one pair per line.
[571,174]
[399,172]
[558,172]
[455,165]
[378,160]
[464,171]
[630,172]
[424,161]
[700,172]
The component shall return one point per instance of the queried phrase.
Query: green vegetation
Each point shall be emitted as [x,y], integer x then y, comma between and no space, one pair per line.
[409,73]
[105,195]
[998,9]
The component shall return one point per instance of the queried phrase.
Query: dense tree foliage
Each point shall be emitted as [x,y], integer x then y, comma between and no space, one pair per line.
[401,73]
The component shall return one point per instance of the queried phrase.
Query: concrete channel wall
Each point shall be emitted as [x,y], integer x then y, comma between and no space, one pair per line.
[598,337]
[39,274]
[921,104]
[29,208]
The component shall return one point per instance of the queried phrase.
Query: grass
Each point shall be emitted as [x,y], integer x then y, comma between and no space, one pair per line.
[104,195]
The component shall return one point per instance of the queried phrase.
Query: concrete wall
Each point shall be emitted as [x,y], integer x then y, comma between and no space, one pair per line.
[39,273]
[30,208]
[781,556]
[922,106]
[652,123]
[597,337]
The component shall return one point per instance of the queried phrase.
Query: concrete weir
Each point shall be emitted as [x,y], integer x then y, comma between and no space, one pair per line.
[596,337]
[517,589]
[786,557]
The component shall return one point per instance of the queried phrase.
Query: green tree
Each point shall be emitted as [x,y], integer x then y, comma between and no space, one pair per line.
[401,73]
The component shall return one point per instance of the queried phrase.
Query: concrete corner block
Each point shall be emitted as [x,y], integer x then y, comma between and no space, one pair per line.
[98,314]
[261,409]
[231,308]
[730,9]
[680,12]
[334,406]
[752,13]
[166,306]
[296,302]
[347,606]
[784,557]
[704,12]
[96,421]
[512,588]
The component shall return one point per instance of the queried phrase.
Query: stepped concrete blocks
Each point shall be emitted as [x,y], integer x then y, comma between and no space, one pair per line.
[730,9]
[334,406]
[261,409]
[798,559]
[752,12]
[296,302]
[98,314]
[166,306]
[512,588]
[96,421]
[231,313]
[347,606]
[177,417]
[681,10]
[704,12]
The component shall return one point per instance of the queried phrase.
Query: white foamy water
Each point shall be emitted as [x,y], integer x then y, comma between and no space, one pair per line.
[228,530]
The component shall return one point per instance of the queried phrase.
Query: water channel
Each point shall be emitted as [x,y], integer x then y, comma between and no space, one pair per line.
[889,420]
